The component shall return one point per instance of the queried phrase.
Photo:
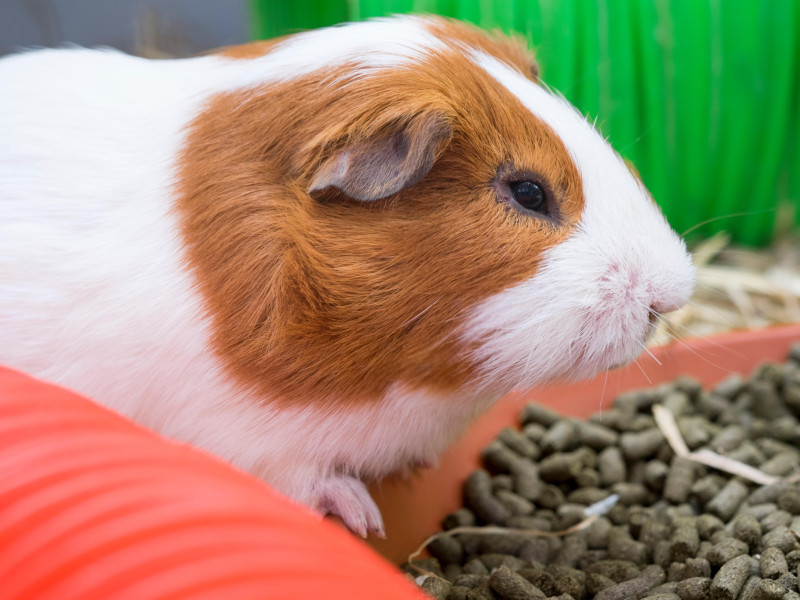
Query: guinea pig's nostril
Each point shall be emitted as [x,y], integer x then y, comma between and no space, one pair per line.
[666,305]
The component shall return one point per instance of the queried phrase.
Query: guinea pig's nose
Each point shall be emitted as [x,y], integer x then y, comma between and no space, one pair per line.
[671,289]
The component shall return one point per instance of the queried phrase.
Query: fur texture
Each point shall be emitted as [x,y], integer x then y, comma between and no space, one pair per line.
[304,255]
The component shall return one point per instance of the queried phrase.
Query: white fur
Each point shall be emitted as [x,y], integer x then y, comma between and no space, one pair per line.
[587,309]
[94,293]
[371,44]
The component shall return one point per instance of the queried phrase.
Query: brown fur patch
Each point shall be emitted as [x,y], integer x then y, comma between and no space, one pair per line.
[512,50]
[336,298]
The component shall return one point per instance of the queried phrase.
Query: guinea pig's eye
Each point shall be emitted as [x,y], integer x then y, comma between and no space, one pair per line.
[530,195]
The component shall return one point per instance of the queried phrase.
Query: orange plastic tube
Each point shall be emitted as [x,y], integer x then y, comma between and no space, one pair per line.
[93,506]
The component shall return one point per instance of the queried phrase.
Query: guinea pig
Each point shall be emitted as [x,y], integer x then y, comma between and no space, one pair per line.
[319,257]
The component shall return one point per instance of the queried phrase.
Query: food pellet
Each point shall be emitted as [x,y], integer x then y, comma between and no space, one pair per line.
[515,503]
[560,467]
[780,464]
[458,592]
[684,540]
[680,478]
[789,500]
[747,453]
[526,480]
[633,589]
[560,437]
[694,588]
[676,571]
[541,415]
[747,528]
[698,567]
[773,563]
[780,538]
[724,550]
[498,458]
[749,587]
[788,581]
[475,567]
[511,586]
[595,583]
[519,443]
[478,492]
[482,592]
[725,503]
[705,488]
[766,589]
[678,530]
[469,581]
[463,517]
[728,581]
[596,436]
[622,546]
[641,444]
[447,549]
[708,525]
[611,465]
[437,588]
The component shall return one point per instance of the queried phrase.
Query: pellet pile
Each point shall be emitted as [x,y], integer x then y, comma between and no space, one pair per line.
[676,529]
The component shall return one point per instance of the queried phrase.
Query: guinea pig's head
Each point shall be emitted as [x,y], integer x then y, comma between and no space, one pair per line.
[402,202]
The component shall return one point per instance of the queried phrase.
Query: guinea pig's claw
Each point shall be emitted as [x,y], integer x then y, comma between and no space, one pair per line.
[378,533]
[348,498]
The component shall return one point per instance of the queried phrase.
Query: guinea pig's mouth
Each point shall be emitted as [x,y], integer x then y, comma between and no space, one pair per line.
[621,348]
[652,318]
[648,335]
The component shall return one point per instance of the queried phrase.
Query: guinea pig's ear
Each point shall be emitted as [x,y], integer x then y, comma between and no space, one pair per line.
[534,71]
[386,162]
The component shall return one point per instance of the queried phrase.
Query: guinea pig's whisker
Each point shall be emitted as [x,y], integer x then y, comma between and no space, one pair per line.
[666,326]
[649,381]
[603,391]
[728,216]
[704,356]
[714,292]
[722,313]
[709,339]
[670,327]
[653,356]
[635,141]
[739,307]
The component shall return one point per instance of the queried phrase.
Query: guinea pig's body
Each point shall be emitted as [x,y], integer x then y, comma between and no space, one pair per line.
[317,258]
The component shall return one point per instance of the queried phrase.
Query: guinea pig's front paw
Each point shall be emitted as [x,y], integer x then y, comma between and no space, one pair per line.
[348,498]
